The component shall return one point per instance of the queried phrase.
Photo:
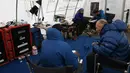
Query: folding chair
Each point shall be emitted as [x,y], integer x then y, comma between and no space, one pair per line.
[36,69]
[110,63]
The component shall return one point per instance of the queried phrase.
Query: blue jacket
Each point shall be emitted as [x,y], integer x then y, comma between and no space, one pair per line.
[113,42]
[78,16]
[56,52]
[100,16]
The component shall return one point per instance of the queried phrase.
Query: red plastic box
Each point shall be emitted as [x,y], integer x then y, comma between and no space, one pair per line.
[3,50]
[18,40]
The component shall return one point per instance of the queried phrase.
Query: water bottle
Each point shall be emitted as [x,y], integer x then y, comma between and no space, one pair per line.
[34,50]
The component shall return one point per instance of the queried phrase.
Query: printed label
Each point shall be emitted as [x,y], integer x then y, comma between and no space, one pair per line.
[2,60]
[21,38]
[19,46]
[24,50]
[22,31]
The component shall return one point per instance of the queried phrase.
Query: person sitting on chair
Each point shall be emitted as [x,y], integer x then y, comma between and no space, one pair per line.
[79,15]
[99,14]
[80,21]
[55,52]
[113,42]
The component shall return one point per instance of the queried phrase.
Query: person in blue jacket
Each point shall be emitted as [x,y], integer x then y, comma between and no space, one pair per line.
[99,14]
[113,41]
[37,37]
[55,52]
[79,15]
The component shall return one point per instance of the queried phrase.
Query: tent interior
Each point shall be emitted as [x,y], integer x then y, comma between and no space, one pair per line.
[47,13]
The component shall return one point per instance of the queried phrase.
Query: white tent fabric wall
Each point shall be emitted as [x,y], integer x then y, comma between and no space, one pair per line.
[23,12]
[87,5]
[115,6]
[61,8]
[7,10]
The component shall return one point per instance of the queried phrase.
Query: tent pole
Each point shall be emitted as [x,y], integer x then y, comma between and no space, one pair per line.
[16,11]
[56,8]
[123,8]
[105,6]
[67,8]
[76,8]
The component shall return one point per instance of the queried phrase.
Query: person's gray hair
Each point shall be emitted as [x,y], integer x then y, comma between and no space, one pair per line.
[103,21]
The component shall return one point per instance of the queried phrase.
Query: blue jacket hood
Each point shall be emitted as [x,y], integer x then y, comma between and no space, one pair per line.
[55,52]
[102,14]
[54,34]
[117,25]
[78,16]
[120,25]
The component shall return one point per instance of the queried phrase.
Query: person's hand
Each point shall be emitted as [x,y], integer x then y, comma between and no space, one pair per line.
[89,33]
[76,53]
[95,43]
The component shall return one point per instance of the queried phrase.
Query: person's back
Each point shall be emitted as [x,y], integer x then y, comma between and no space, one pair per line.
[78,16]
[80,21]
[55,52]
